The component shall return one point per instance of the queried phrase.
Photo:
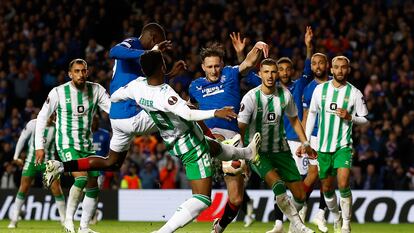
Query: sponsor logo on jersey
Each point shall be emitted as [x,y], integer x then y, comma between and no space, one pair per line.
[241,107]
[81,109]
[172,100]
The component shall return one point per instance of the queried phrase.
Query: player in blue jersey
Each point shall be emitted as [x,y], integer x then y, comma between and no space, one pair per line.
[219,88]
[127,119]
[320,66]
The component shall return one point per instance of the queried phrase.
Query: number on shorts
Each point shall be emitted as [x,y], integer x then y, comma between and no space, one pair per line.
[68,156]
[206,160]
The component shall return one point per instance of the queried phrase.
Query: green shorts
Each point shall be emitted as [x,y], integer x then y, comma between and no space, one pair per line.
[283,162]
[329,162]
[72,154]
[30,169]
[197,162]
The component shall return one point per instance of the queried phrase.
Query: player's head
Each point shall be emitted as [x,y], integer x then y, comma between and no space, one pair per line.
[152,34]
[285,70]
[212,61]
[268,72]
[340,68]
[319,65]
[78,72]
[152,63]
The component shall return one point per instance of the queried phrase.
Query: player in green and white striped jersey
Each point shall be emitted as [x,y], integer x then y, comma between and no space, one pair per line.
[262,110]
[339,105]
[30,170]
[184,138]
[75,103]
[182,135]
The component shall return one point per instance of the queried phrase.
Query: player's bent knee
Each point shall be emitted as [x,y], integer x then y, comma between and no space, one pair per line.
[237,201]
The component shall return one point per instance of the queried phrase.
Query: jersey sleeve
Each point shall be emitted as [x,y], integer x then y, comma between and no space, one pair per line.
[306,99]
[191,92]
[26,133]
[291,110]
[103,99]
[314,103]
[360,105]
[253,79]
[49,106]
[175,104]
[247,107]
[125,50]
[125,92]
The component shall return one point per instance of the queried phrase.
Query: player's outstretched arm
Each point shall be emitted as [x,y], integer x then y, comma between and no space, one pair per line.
[308,42]
[297,126]
[124,50]
[253,57]
[125,92]
[238,44]
[24,137]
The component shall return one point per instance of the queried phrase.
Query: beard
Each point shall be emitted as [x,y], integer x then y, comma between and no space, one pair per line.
[341,78]
[321,75]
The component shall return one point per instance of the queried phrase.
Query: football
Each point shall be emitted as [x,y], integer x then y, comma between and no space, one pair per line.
[236,164]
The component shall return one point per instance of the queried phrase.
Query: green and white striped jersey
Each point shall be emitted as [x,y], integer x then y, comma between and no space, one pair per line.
[335,133]
[264,114]
[28,135]
[173,118]
[74,111]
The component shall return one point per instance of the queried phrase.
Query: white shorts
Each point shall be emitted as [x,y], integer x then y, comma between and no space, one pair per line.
[227,134]
[123,130]
[314,145]
[301,162]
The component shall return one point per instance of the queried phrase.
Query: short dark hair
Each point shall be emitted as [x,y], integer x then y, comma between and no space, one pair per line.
[284,60]
[150,62]
[268,62]
[214,50]
[153,28]
[77,61]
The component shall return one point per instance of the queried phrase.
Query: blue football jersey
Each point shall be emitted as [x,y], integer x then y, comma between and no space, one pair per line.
[126,69]
[307,97]
[216,95]
[296,88]
[101,140]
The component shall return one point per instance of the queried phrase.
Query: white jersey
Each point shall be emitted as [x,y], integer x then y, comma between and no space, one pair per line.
[28,135]
[74,112]
[264,114]
[335,133]
[173,118]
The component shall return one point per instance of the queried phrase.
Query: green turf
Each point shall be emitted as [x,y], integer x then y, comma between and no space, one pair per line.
[138,227]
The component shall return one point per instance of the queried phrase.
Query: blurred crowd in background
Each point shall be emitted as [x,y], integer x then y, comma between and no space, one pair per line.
[38,38]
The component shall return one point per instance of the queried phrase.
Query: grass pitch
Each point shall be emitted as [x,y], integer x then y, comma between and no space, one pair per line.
[196,227]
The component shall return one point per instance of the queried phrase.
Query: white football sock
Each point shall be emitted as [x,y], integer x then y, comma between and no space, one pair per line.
[286,206]
[346,207]
[332,204]
[233,153]
[88,210]
[73,200]
[184,214]
[17,208]
[61,206]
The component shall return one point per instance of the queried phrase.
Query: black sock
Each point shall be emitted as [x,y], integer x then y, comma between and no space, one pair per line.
[278,212]
[70,165]
[322,202]
[230,212]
